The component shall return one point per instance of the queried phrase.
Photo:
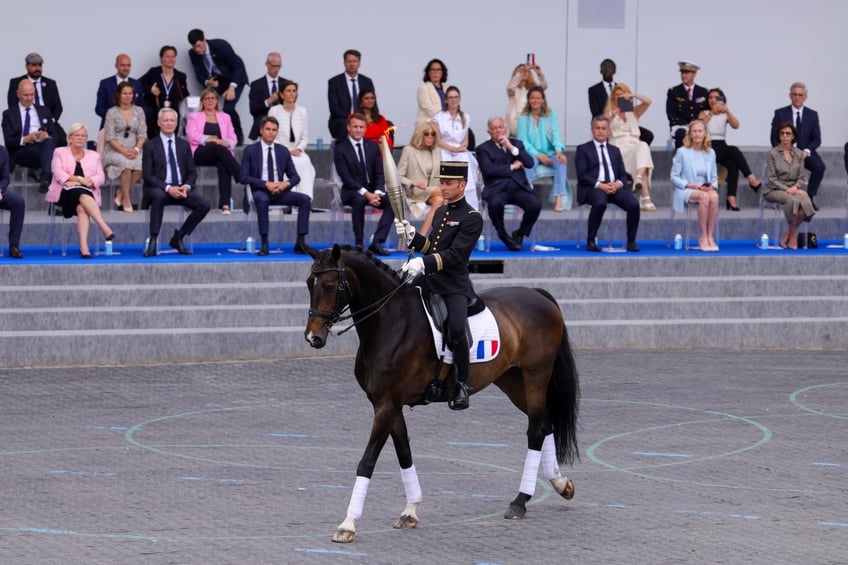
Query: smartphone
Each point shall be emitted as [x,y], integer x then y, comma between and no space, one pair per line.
[531,59]
[721,98]
[625,105]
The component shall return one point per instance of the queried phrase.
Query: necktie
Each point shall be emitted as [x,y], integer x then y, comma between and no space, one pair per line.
[273,86]
[362,168]
[172,163]
[271,177]
[798,121]
[27,123]
[604,162]
[353,95]
[37,97]
[291,129]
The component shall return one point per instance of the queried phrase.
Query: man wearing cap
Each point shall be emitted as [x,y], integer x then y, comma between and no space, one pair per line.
[685,101]
[447,248]
[29,133]
[108,86]
[46,93]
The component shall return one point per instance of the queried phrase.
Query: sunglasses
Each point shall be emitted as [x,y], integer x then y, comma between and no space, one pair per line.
[429,134]
[126,132]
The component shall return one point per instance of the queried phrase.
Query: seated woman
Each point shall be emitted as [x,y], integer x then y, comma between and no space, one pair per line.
[212,138]
[694,177]
[516,90]
[785,183]
[453,125]
[77,176]
[377,125]
[125,132]
[294,136]
[717,119]
[164,87]
[418,170]
[624,134]
[431,94]
[538,130]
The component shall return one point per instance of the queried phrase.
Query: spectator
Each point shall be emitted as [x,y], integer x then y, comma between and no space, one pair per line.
[106,90]
[599,94]
[684,102]
[454,139]
[378,125]
[46,94]
[30,135]
[265,92]
[431,94]
[164,87]
[343,91]
[293,134]
[14,203]
[694,177]
[418,170]
[785,183]
[125,134]
[516,90]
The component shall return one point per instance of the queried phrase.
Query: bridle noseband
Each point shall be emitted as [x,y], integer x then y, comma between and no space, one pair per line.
[343,288]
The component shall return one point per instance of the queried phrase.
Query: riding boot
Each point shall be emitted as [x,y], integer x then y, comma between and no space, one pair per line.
[459,394]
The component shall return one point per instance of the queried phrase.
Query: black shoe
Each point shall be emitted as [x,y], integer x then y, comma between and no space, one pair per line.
[632,247]
[44,186]
[511,243]
[517,238]
[150,251]
[85,255]
[756,188]
[35,175]
[378,249]
[263,250]
[110,237]
[15,252]
[730,206]
[459,397]
[592,246]
[300,247]
[177,243]
[815,206]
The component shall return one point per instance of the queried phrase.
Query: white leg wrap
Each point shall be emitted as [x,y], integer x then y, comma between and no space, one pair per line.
[411,485]
[550,468]
[531,470]
[357,498]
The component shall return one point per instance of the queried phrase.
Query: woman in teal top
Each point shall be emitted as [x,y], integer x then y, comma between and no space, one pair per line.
[538,130]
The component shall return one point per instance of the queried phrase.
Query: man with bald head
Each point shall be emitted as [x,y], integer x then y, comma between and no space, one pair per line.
[108,86]
[264,92]
[46,93]
[29,133]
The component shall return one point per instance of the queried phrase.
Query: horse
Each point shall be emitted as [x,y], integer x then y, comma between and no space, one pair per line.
[396,363]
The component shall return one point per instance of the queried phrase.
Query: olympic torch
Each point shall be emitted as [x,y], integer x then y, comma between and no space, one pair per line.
[393,188]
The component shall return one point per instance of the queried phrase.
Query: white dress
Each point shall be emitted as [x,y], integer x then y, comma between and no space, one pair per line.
[453,132]
[635,153]
[296,122]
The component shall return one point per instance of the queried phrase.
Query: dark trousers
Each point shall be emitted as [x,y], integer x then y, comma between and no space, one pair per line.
[734,161]
[214,155]
[35,156]
[598,200]
[815,165]
[457,306]
[158,199]
[16,206]
[262,199]
[514,194]
[357,203]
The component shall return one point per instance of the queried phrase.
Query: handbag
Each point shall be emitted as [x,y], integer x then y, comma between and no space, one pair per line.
[808,240]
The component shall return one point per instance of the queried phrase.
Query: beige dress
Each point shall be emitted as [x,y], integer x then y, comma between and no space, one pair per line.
[625,135]
[126,134]
[781,175]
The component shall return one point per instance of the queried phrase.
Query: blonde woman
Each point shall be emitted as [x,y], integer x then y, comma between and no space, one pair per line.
[623,116]
[516,90]
[419,173]
[694,177]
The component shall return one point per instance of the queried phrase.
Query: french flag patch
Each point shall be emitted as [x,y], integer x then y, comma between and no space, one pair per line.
[487,349]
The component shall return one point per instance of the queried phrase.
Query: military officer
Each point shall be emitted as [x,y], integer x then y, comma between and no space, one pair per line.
[685,101]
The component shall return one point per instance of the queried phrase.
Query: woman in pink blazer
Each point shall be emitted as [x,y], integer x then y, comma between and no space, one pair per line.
[213,140]
[77,176]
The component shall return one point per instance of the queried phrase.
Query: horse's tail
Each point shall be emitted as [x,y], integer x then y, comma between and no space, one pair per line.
[563,398]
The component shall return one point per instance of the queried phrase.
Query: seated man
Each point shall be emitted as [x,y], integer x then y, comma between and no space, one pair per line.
[263,166]
[46,93]
[684,102]
[29,132]
[502,161]
[600,178]
[168,173]
[360,168]
[107,87]
[14,203]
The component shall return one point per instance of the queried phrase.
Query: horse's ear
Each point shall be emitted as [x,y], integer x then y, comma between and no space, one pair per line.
[311,251]
[336,253]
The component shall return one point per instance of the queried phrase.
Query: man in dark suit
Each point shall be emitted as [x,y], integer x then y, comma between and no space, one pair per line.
[108,86]
[502,162]
[342,91]
[360,168]
[46,94]
[217,66]
[29,132]
[600,178]
[168,175]
[806,122]
[599,94]
[265,92]
[685,101]
[263,167]
[14,203]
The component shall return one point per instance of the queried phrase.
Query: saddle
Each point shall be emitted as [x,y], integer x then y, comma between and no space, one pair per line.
[438,310]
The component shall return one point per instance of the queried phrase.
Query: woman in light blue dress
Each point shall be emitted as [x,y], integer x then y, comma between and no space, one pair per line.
[694,176]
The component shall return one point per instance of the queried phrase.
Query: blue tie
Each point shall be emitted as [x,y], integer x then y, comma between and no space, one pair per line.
[175,173]
[27,123]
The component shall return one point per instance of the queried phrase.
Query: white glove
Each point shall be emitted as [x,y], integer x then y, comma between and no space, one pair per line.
[405,229]
[413,268]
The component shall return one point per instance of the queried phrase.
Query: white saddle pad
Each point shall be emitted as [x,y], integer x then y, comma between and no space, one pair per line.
[485,337]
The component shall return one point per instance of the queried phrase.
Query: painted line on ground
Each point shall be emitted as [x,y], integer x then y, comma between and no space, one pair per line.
[476,444]
[213,480]
[657,454]
[823,464]
[330,551]
[83,473]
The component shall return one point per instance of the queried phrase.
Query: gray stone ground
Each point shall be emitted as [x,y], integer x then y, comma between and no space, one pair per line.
[687,456]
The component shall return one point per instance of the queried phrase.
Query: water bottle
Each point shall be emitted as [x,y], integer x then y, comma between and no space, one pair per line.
[481,242]
[232,205]
[669,144]
[764,242]
[250,245]
[845,241]
[319,143]
[678,242]
[108,247]
[146,243]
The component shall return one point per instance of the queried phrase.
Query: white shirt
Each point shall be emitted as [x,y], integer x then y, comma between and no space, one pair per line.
[265,148]
[601,159]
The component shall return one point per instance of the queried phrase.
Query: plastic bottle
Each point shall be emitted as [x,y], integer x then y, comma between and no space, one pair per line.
[678,242]
[109,248]
[764,241]
[845,241]
[250,245]
[232,205]
[319,143]
[481,243]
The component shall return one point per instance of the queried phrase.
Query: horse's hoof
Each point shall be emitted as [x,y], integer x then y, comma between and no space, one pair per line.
[344,536]
[565,487]
[406,522]
[515,512]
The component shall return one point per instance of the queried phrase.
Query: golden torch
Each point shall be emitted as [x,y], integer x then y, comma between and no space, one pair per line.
[393,188]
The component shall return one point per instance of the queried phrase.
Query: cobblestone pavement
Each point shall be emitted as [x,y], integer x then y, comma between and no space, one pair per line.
[687,456]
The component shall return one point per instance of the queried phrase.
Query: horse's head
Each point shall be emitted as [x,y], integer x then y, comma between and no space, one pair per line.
[329,294]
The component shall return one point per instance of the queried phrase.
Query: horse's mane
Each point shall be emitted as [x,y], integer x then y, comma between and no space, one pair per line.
[366,255]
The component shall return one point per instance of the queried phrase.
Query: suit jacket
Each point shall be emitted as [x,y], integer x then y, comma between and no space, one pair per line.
[347,166]
[49,93]
[598,98]
[338,98]
[679,109]
[418,165]
[588,167]
[495,164]
[63,167]
[429,103]
[258,94]
[13,128]
[106,96]
[154,165]
[251,166]
[5,176]
[810,135]
[179,89]
[229,64]
[195,123]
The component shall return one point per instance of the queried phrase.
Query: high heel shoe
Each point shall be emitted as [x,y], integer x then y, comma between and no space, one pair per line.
[110,237]
[756,188]
[730,206]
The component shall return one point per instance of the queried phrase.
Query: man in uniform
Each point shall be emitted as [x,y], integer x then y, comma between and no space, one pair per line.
[456,228]
[685,101]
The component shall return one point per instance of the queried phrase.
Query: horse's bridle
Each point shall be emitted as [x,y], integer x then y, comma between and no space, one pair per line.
[342,290]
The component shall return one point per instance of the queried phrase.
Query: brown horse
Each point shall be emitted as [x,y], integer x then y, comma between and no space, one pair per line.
[396,363]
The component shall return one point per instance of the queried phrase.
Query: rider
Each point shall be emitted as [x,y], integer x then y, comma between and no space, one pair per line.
[456,228]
